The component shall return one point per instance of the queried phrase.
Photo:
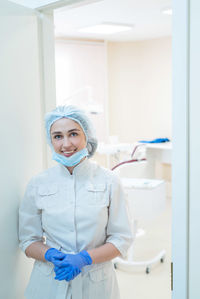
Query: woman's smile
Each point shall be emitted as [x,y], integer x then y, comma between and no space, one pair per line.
[68,153]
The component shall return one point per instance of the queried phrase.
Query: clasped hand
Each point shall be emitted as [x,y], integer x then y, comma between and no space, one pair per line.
[67,266]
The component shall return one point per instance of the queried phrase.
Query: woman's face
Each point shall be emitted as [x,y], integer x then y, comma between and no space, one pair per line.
[67,137]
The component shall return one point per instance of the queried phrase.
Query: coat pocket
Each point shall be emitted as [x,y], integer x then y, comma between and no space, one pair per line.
[101,274]
[47,195]
[45,268]
[97,194]
[103,282]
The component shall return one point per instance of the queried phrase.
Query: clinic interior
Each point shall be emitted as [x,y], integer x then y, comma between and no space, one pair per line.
[124,81]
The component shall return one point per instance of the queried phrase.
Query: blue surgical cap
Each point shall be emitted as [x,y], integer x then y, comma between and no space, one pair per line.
[79,116]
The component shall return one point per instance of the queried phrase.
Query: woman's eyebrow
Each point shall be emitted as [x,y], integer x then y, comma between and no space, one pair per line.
[56,132]
[71,130]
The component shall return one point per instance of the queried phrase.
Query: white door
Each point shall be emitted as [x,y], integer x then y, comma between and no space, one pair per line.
[22,148]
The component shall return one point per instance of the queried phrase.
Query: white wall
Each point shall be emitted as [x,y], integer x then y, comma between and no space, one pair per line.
[21,136]
[80,64]
[139,83]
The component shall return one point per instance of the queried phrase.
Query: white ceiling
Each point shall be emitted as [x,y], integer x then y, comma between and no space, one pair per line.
[145,15]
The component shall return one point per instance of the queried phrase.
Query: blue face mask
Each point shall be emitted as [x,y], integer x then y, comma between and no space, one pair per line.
[70,161]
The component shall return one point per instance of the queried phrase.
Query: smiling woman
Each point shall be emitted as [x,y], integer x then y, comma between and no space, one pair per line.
[68,140]
[78,207]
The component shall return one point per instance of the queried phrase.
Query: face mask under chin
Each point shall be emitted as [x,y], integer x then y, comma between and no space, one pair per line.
[72,160]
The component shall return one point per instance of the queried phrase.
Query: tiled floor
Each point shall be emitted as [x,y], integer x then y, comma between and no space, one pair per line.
[157,284]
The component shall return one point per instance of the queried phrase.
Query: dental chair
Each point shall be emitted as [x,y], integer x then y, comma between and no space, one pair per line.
[145,198]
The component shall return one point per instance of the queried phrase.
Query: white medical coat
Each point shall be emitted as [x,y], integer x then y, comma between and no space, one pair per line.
[74,212]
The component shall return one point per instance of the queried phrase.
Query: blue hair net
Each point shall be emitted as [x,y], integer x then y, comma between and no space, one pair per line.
[79,116]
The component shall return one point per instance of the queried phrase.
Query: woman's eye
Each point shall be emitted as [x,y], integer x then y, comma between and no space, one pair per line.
[57,136]
[74,134]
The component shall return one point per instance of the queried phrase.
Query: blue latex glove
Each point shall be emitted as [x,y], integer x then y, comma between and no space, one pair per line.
[67,273]
[71,265]
[53,255]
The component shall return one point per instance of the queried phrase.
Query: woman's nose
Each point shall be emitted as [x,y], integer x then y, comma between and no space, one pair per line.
[66,142]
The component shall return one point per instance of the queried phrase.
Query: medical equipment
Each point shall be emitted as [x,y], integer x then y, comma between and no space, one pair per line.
[145,200]
[157,140]
[84,99]
[132,158]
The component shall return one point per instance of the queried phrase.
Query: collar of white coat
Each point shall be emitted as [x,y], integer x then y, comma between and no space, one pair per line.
[78,169]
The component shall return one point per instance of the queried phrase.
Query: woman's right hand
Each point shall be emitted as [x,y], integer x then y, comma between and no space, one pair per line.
[67,273]
[53,255]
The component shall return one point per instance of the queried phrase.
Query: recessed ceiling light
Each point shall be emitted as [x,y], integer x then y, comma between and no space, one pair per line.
[106,28]
[167,11]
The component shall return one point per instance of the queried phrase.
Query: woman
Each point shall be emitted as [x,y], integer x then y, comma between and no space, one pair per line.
[73,218]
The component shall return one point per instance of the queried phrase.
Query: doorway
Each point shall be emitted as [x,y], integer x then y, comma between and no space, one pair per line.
[136,80]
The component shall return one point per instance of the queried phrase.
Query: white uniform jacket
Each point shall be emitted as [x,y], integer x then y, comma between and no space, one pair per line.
[74,212]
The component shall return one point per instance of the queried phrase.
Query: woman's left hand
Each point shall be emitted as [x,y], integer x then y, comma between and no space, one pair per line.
[69,267]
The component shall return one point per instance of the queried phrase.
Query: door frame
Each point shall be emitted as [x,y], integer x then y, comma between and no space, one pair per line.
[180,157]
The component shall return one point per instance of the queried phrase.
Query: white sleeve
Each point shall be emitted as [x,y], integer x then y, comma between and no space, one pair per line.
[118,228]
[30,225]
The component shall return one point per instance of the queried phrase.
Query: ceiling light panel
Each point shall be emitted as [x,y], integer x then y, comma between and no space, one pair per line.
[106,28]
